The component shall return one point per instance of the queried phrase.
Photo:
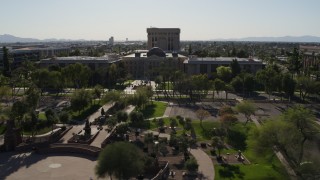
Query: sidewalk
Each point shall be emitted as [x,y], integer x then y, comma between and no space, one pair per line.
[78,128]
[205,163]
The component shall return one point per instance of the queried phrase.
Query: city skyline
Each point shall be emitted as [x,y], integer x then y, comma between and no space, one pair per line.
[198,20]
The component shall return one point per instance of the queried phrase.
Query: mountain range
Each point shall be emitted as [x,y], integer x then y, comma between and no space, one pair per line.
[275,39]
[7,38]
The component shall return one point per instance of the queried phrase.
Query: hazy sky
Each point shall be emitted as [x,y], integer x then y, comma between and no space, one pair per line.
[197,19]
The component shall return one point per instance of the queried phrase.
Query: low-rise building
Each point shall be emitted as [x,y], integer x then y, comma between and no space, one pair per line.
[145,64]
[310,56]
[93,62]
[197,65]
[35,54]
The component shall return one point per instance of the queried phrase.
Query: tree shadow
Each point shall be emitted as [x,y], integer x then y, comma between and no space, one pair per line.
[231,171]
[149,110]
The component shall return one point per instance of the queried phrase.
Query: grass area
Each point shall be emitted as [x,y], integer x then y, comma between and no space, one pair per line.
[261,167]
[156,109]
[205,132]
[91,108]
[252,171]
[41,131]
[168,85]
[42,116]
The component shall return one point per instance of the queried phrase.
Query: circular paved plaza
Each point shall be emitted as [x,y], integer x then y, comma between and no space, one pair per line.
[34,166]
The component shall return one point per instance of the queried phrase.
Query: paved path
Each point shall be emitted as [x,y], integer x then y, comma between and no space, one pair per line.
[205,163]
[164,135]
[100,137]
[78,128]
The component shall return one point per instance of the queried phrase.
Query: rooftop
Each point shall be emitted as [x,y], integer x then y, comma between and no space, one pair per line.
[195,59]
[83,58]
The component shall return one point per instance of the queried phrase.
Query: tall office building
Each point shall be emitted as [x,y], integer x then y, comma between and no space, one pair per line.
[168,39]
[111,41]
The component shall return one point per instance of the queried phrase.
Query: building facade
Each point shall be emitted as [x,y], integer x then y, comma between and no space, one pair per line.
[194,65]
[167,39]
[310,57]
[35,54]
[146,64]
[93,62]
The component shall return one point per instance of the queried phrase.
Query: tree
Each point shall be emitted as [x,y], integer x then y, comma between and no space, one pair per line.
[148,139]
[219,85]
[218,143]
[111,96]
[304,121]
[192,165]
[160,123]
[225,110]
[136,118]
[270,79]
[51,117]
[122,116]
[289,85]
[32,98]
[121,159]
[173,124]
[97,91]
[6,64]
[80,99]
[294,62]
[307,86]
[227,120]
[18,109]
[77,75]
[64,117]
[289,134]
[247,109]
[224,73]
[202,114]
[235,67]
[273,134]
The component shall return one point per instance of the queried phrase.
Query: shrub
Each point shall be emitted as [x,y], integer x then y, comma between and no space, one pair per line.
[192,165]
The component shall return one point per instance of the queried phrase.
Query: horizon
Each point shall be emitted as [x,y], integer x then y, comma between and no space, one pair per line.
[198,21]
[143,40]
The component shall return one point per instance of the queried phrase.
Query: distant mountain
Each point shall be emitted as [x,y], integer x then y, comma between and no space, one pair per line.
[7,38]
[11,39]
[276,39]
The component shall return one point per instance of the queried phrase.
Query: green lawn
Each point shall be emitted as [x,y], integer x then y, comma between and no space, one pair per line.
[261,167]
[252,171]
[42,116]
[91,108]
[41,131]
[156,109]
[205,132]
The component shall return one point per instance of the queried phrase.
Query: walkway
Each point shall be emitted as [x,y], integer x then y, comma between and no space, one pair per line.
[205,163]
[100,137]
[78,128]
